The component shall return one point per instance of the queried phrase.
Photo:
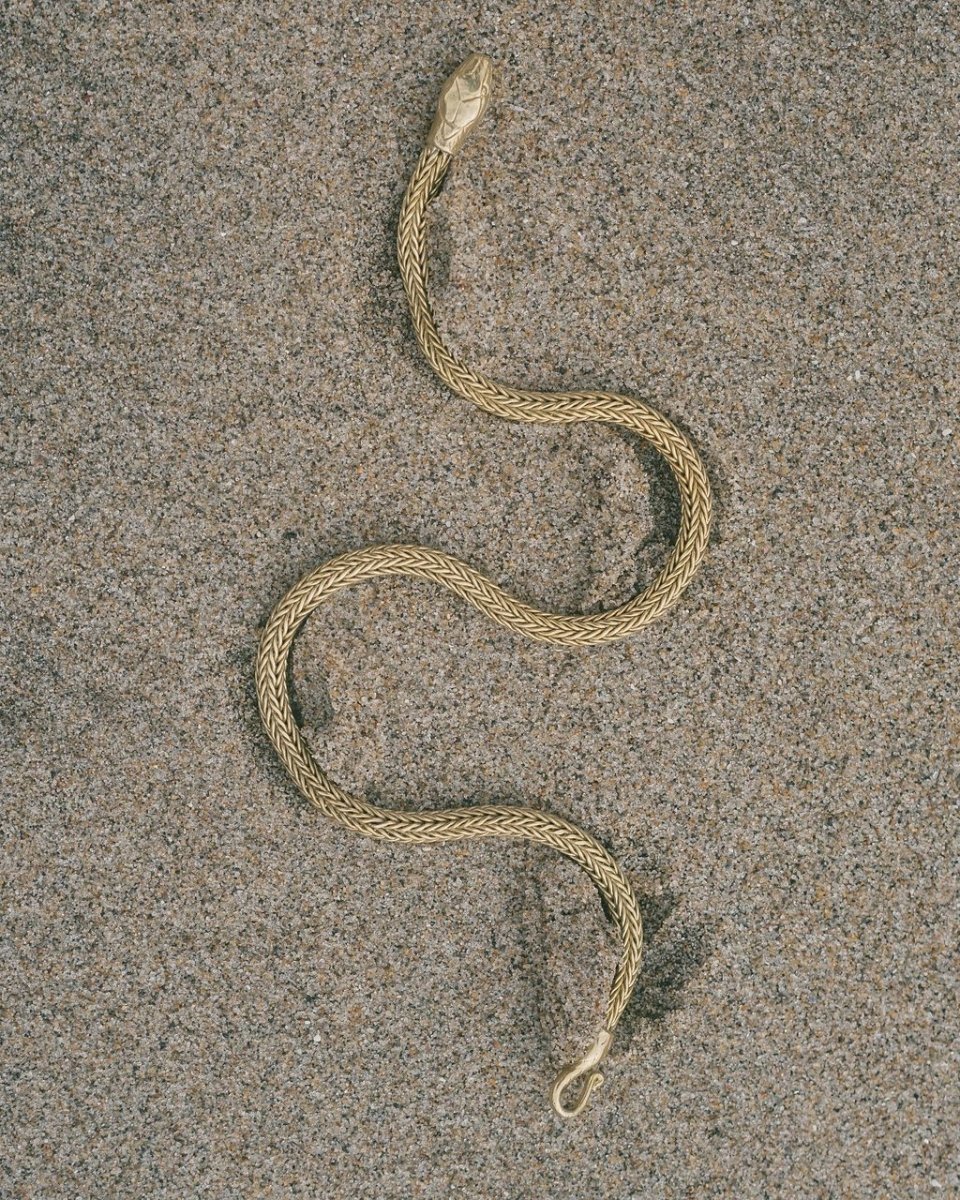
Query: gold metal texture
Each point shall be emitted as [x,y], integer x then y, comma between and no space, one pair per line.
[462,102]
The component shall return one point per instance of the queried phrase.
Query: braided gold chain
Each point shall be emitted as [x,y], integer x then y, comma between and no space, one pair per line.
[462,101]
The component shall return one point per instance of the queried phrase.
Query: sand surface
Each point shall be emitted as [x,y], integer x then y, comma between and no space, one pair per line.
[747,214]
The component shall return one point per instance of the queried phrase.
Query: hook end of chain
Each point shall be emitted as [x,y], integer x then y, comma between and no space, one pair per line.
[586,1068]
[462,102]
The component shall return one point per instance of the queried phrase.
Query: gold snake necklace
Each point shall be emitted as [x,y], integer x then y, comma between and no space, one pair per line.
[462,101]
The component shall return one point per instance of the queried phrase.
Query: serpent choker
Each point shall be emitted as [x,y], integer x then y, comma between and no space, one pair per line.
[462,101]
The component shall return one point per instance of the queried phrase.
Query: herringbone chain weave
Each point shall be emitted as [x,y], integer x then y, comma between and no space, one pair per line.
[471,84]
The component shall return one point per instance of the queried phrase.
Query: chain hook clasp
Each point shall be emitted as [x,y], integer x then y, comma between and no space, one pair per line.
[586,1066]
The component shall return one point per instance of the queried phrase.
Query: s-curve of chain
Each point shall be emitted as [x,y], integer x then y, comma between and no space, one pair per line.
[462,102]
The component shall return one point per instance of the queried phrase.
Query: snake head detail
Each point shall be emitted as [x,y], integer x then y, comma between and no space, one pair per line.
[462,101]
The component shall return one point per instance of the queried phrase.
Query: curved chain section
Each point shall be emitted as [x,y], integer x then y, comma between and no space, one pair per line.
[456,576]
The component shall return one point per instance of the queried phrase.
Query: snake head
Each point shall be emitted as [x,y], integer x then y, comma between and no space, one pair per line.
[462,101]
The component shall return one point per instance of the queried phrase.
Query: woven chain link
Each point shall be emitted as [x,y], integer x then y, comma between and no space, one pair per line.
[425,563]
